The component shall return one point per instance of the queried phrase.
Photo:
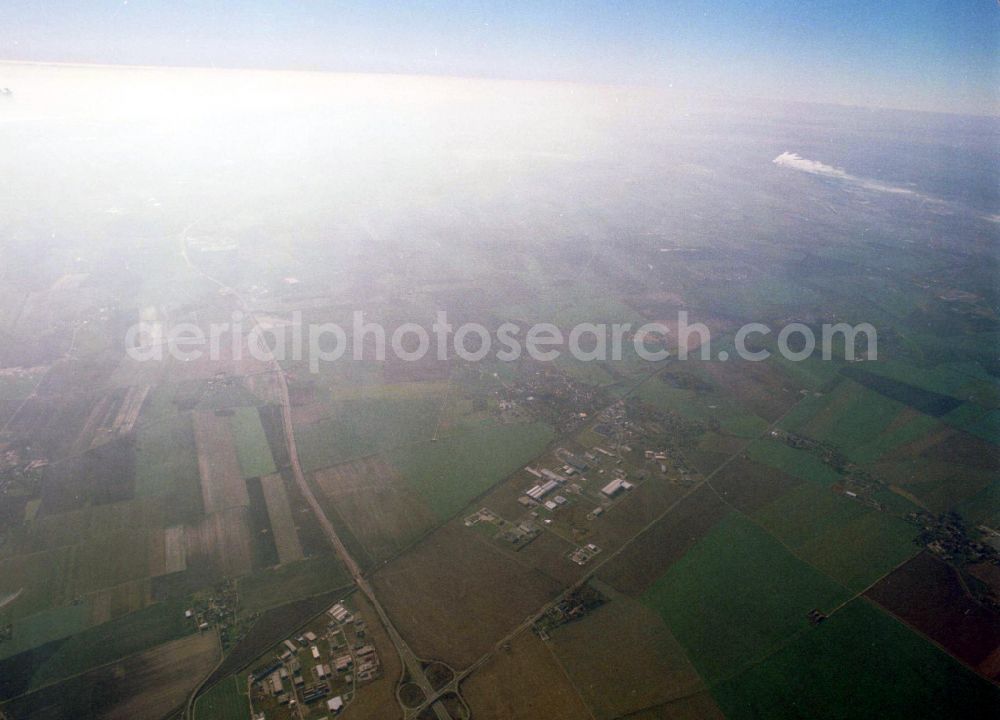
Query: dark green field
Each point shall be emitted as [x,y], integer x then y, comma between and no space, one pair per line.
[225,701]
[738,595]
[847,540]
[270,587]
[452,470]
[861,663]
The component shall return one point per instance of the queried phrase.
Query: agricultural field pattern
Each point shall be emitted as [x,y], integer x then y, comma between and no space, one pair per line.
[250,533]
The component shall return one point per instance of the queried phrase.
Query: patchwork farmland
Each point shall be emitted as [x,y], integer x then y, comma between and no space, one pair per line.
[255,533]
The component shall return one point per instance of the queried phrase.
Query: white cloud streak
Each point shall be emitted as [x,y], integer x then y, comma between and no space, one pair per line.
[795,161]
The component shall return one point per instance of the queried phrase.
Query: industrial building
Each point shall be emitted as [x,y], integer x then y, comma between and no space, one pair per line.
[335,705]
[539,491]
[339,613]
[613,488]
[553,476]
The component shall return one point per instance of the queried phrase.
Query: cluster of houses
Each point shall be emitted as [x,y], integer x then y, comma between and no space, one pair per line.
[288,683]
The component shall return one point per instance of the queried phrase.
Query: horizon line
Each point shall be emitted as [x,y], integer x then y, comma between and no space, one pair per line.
[500,79]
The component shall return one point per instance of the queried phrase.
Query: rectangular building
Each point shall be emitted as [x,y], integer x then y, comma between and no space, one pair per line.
[613,488]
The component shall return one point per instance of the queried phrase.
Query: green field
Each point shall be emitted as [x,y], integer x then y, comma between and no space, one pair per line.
[810,404]
[101,644]
[913,428]
[709,408]
[63,574]
[13,392]
[975,419]
[360,426]
[813,373]
[953,378]
[589,373]
[225,701]
[166,399]
[986,426]
[859,422]
[452,470]
[252,449]
[798,463]
[984,506]
[849,419]
[743,425]
[850,542]
[43,627]
[571,304]
[227,396]
[276,586]
[860,663]
[769,296]
[167,465]
[738,595]
[87,524]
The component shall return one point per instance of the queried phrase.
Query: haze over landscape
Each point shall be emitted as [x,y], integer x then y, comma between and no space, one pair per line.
[757,477]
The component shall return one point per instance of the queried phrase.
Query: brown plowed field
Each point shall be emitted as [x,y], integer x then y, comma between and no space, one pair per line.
[453,596]
[927,594]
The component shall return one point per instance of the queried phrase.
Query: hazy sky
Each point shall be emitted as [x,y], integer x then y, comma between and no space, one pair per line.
[924,54]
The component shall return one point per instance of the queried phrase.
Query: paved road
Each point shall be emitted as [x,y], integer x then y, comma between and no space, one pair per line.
[608,557]
[409,659]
